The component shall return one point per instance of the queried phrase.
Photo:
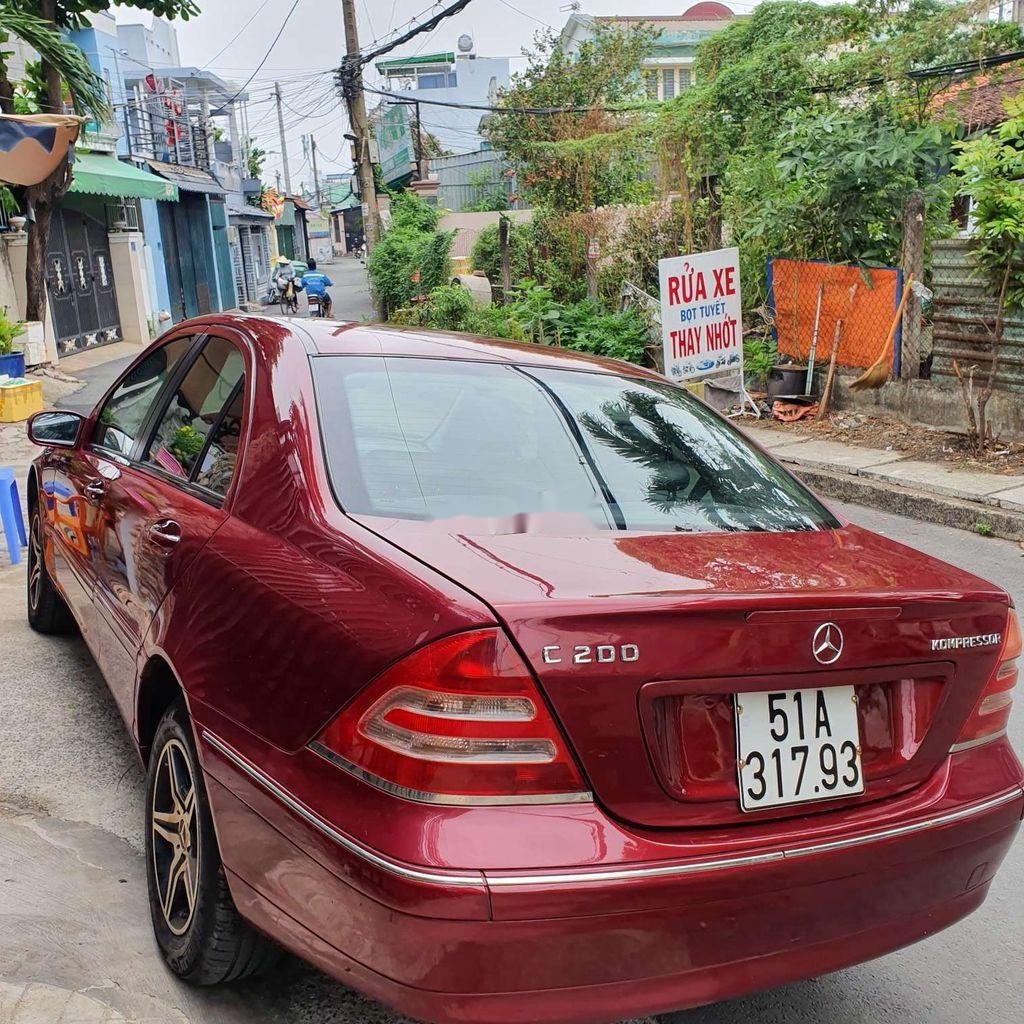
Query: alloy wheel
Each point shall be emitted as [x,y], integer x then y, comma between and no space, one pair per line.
[176,846]
[35,562]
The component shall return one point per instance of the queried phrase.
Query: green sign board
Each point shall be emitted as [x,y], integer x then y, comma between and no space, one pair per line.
[394,143]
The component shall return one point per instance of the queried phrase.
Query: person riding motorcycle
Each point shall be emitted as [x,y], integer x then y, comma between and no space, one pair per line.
[284,278]
[316,282]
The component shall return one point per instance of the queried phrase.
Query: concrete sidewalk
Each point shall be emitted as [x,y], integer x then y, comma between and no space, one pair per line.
[893,481]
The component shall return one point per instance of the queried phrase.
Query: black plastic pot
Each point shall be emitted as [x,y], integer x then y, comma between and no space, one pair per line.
[786,380]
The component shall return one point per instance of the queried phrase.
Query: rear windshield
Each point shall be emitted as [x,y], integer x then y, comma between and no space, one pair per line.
[427,439]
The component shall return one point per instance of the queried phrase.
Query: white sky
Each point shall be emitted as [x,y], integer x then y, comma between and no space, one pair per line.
[314,40]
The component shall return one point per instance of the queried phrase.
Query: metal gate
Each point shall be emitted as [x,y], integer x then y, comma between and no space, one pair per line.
[80,283]
[186,235]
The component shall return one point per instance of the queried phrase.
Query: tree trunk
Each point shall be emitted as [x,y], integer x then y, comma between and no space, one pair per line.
[912,259]
[504,226]
[6,92]
[984,428]
[42,198]
[53,101]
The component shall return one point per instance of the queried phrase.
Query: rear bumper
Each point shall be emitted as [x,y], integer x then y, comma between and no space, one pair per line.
[607,941]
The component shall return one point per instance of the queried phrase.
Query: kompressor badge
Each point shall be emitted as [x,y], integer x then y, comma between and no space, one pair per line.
[959,643]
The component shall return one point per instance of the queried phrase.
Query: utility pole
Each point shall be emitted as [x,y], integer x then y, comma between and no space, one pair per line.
[316,173]
[284,145]
[352,87]
[421,173]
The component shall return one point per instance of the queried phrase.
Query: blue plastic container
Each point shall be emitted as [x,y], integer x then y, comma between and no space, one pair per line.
[13,364]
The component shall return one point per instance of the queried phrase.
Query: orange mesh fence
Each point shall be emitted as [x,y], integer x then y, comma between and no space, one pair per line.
[865,300]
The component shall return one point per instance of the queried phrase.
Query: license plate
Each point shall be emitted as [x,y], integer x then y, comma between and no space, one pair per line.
[797,745]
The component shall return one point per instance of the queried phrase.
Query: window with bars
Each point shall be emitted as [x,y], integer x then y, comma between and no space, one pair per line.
[668,83]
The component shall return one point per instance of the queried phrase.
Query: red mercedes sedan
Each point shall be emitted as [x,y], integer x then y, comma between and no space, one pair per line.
[506,684]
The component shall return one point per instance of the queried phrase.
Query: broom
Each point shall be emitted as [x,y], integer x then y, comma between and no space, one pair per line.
[878,372]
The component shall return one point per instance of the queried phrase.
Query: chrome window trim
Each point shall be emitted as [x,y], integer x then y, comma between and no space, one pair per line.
[421,797]
[507,881]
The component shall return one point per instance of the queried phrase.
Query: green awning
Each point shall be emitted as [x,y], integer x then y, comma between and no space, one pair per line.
[411,62]
[99,175]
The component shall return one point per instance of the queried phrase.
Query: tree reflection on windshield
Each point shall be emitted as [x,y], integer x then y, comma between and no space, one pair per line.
[701,474]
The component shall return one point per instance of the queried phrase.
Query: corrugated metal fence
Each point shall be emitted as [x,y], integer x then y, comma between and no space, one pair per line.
[964,318]
[464,179]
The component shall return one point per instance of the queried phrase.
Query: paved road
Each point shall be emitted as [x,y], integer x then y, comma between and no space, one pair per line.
[350,291]
[75,943]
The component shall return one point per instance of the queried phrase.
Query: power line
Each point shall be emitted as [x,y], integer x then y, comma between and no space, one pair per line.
[236,35]
[369,19]
[526,14]
[266,56]
[540,111]
[973,65]
[427,26]
[414,20]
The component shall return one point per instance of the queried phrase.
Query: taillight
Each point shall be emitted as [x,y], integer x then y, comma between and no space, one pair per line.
[991,714]
[457,721]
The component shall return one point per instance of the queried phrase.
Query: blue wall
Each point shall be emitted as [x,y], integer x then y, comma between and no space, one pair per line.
[100,49]
[151,229]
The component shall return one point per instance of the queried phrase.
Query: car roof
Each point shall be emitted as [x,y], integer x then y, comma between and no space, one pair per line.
[338,337]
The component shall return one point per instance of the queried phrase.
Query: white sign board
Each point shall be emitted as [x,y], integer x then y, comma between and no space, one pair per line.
[701,314]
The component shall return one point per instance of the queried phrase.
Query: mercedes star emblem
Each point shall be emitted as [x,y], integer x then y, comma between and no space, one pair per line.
[827,644]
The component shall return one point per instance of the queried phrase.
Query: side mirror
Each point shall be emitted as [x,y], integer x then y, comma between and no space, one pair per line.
[55,429]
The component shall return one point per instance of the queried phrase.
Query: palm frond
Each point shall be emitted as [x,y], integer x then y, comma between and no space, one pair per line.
[85,86]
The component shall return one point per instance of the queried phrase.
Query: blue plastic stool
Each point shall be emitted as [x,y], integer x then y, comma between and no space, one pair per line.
[10,515]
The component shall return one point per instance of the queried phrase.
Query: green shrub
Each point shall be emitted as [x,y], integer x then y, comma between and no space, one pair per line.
[486,254]
[434,261]
[9,330]
[391,267]
[409,211]
[411,245]
[533,315]
[448,308]
[759,356]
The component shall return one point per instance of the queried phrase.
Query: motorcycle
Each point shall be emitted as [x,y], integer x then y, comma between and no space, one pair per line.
[287,298]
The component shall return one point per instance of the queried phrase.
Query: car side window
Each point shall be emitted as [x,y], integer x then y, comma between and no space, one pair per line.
[123,415]
[217,463]
[194,409]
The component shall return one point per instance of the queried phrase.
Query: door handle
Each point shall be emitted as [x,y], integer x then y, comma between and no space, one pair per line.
[166,532]
[94,491]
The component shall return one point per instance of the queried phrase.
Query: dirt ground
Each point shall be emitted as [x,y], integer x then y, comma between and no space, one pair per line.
[871,431]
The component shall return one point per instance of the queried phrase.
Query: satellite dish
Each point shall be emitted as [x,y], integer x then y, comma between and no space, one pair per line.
[465,43]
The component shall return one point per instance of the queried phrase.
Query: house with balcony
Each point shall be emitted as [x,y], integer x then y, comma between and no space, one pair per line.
[101,276]
[669,69]
[184,123]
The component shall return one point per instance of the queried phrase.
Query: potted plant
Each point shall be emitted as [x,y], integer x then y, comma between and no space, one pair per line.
[11,363]
[9,205]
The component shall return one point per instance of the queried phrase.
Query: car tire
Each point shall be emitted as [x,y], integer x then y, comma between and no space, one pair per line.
[47,612]
[202,937]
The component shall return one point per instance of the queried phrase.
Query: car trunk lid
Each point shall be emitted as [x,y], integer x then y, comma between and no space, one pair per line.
[640,641]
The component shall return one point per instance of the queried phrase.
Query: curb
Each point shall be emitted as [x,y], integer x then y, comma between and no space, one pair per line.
[916,504]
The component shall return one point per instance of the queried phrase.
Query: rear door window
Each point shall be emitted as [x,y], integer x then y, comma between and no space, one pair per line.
[216,465]
[194,412]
